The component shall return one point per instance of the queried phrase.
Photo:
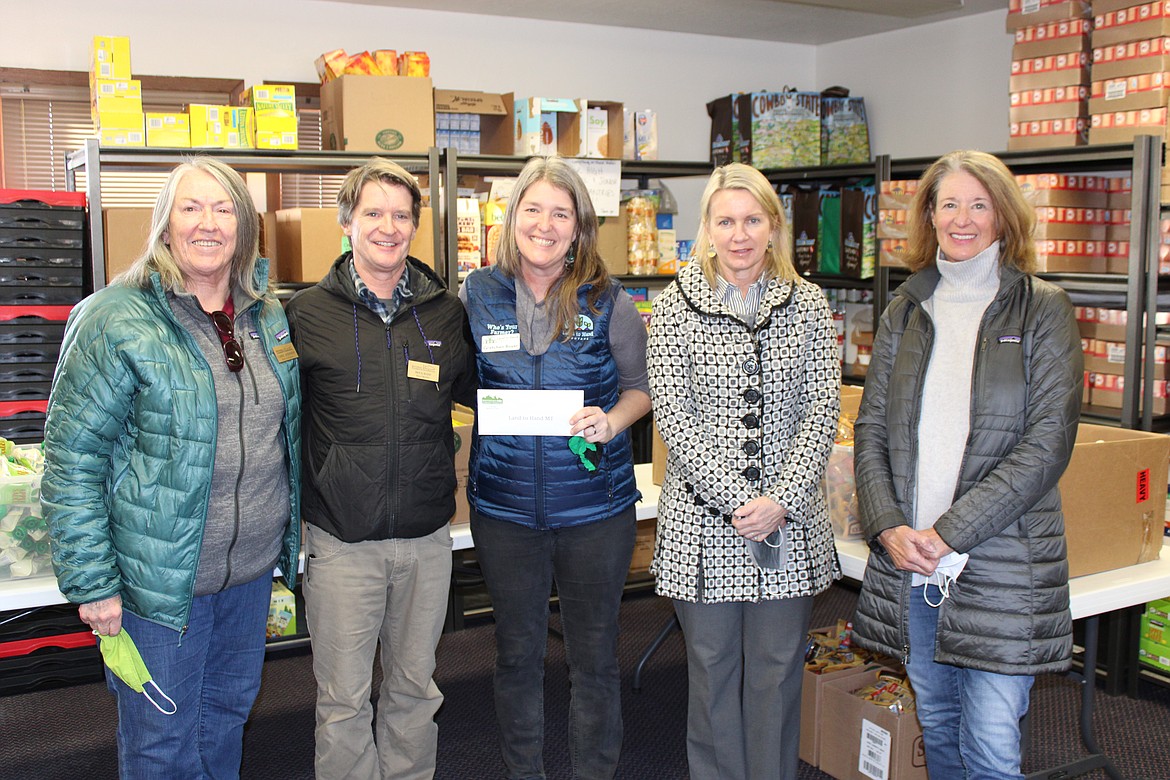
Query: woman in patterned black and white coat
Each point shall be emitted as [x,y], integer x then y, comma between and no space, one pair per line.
[745,382]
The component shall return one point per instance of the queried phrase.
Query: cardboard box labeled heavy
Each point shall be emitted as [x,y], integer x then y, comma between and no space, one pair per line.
[864,740]
[378,114]
[1114,498]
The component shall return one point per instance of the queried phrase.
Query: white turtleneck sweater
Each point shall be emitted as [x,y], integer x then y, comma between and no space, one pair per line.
[956,308]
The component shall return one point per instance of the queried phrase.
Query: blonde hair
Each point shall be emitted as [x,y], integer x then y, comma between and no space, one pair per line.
[158,258]
[1015,219]
[587,268]
[778,255]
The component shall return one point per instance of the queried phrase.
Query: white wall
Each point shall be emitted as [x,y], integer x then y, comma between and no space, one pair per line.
[674,73]
[928,89]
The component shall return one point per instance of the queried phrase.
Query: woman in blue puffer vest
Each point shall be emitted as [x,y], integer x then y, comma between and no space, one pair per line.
[549,317]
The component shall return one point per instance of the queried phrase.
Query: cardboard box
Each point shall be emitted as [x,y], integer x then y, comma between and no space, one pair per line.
[494,112]
[546,126]
[1134,23]
[1154,653]
[282,612]
[168,130]
[1127,93]
[378,114]
[462,424]
[308,240]
[1055,70]
[612,243]
[1128,58]
[658,459]
[115,95]
[126,231]
[1048,133]
[1114,498]
[208,125]
[110,57]
[121,137]
[1122,127]
[1059,37]
[1025,13]
[1049,103]
[812,722]
[601,130]
[120,120]
[890,744]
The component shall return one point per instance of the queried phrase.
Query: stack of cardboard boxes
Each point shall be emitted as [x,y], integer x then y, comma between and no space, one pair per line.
[1049,73]
[1103,341]
[270,116]
[1082,222]
[1131,70]
[115,98]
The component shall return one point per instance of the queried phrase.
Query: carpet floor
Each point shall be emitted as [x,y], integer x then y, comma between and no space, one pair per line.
[67,733]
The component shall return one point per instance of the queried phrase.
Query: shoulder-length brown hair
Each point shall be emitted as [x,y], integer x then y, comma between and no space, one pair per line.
[737,176]
[1015,218]
[587,267]
[157,256]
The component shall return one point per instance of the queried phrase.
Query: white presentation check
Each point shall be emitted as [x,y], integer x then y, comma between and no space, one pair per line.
[527,412]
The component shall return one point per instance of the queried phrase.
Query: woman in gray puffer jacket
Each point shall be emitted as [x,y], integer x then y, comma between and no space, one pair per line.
[967,421]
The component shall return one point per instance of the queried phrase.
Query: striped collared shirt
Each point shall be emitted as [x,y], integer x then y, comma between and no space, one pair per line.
[743,306]
[402,293]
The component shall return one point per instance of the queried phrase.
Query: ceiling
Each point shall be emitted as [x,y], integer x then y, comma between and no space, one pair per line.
[795,21]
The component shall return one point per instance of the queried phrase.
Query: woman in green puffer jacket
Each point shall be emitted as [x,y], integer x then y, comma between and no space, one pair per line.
[172,476]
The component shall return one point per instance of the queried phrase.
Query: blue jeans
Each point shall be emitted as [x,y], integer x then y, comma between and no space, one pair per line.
[589,564]
[970,719]
[212,672]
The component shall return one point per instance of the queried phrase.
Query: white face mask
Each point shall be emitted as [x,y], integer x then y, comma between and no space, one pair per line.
[947,571]
[774,553]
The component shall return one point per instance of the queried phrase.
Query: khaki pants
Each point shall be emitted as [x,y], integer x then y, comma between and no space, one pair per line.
[357,595]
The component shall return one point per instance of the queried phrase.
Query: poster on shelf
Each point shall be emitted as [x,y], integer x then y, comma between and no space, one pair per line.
[603,179]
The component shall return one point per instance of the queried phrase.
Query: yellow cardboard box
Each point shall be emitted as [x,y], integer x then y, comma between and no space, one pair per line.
[121,137]
[111,57]
[208,125]
[168,130]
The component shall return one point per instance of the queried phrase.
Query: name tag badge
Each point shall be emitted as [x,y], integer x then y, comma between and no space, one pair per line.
[416,369]
[500,342]
[285,352]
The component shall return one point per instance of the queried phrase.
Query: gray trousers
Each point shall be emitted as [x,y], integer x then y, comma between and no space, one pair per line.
[392,592]
[745,663]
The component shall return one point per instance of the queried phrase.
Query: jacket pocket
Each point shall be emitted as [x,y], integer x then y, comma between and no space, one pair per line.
[351,483]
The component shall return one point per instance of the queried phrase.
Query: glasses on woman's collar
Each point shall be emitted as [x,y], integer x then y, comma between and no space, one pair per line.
[233,353]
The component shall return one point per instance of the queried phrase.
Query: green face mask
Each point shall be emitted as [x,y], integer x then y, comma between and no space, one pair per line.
[124,660]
